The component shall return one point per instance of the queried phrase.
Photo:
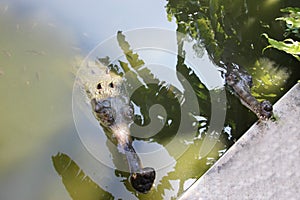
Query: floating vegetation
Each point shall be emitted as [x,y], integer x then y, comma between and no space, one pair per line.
[288,45]
[292,21]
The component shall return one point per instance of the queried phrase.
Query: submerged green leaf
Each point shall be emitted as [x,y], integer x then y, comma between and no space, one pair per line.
[288,45]
[291,10]
[292,21]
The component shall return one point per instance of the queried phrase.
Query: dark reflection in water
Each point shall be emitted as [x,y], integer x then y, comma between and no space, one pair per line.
[183,167]
[78,185]
[164,94]
[231,32]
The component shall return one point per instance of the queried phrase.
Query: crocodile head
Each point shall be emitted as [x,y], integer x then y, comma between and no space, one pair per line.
[109,100]
[112,108]
[241,83]
[266,109]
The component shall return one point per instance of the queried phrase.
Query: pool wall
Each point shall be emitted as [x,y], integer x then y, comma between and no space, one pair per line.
[263,164]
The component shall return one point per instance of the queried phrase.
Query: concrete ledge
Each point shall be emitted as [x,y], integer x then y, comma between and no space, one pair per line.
[263,164]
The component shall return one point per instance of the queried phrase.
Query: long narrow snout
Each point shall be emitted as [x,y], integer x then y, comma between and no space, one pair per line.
[141,178]
[112,108]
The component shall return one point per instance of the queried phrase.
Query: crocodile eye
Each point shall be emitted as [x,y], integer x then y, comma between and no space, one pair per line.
[111,85]
[99,87]
[235,78]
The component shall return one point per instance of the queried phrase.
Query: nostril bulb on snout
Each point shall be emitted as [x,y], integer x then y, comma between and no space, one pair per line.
[268,108]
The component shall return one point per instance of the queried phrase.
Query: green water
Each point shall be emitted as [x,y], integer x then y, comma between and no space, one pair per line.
[41,154]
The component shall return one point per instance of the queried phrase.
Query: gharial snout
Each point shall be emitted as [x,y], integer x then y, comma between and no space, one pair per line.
[143,180]
[266,109]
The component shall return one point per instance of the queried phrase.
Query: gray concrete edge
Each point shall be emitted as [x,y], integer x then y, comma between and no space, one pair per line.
[262,164]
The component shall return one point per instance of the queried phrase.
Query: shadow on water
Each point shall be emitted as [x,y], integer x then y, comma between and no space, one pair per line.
[78,185]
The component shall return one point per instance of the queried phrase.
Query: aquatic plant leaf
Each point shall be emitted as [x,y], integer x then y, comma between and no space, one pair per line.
[288,45]
[291,10]
[270,95]
[292,21]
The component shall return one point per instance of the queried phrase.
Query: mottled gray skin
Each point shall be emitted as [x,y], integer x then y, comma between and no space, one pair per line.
[112,108]
[241,84]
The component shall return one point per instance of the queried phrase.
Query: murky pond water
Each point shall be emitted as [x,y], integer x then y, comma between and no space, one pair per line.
[48,151]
